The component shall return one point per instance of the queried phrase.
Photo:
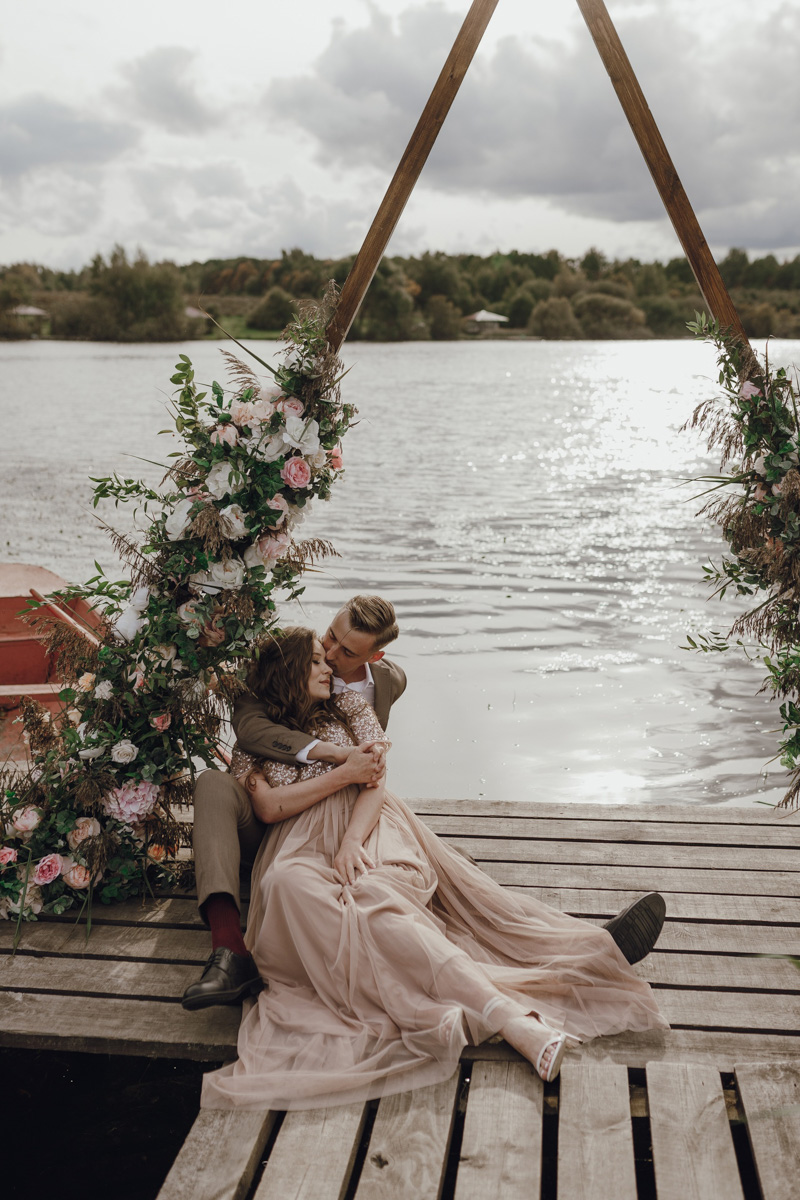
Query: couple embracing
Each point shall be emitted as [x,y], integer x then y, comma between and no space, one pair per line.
[374,952]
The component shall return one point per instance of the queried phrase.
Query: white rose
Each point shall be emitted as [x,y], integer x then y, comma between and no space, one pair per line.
[318,460]
[221,480]
[302,434]
[90,753]
[759,466]
[128,623]
[104,690]
[124,752]
[267,449]
[233,517]
[178,520]
[220,576]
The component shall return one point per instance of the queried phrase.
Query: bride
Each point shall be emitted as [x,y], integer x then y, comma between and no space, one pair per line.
[383,951]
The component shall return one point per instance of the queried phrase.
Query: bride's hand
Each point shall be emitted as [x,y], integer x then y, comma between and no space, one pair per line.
[364,767]
[350,859]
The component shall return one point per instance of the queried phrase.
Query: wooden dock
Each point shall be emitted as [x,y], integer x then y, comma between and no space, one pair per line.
[710,1109]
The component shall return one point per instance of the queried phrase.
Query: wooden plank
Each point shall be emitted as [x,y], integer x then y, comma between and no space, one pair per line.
[645,879]
[113,941]
[408,1149]
[767,860]
[99,977]
[313,1156]
[658,832]
[150,1028]
[660,166]
[719,971]
[682,905]
[501,1147]
[595,1136]
[738,815]
[771,1099]
[730,1010]
[409,169]
[718,938]
[693,1152]
[219,1158]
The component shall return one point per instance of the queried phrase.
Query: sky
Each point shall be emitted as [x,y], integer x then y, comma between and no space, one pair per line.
[192,130]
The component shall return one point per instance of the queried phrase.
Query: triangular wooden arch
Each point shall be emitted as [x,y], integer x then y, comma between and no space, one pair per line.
[641,122]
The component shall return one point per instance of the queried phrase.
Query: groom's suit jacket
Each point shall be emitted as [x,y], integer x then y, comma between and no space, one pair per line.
[258,735]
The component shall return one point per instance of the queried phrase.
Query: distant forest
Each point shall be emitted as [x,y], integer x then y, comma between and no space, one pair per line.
[542,295]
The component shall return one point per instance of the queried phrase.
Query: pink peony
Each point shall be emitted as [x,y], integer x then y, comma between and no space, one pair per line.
[267,549]
[297,473]
[131,802]
[26,819]
[335,458]
[281,506]
[290,404]
[224,434]
[85,827]
[8,855]
[161,721]
[76,875]
[47,869]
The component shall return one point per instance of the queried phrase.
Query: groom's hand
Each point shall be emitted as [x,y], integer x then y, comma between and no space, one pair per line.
[364,767]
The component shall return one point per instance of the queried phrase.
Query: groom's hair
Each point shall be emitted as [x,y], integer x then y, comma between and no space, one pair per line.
[375,616]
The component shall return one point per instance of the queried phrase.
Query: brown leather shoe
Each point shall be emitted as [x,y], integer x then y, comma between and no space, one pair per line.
[227,978]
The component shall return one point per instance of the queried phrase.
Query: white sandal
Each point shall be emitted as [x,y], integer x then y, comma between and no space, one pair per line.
[560,1044]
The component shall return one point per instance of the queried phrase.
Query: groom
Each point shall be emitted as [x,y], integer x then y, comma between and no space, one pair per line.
[226,831]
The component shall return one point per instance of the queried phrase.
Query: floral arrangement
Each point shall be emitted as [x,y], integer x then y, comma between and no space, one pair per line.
[147,681]
[756,427]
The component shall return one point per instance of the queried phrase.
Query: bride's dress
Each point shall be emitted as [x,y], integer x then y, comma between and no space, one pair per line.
[375,987]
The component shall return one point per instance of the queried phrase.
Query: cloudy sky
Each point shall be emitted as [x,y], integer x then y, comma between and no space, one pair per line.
[194,129]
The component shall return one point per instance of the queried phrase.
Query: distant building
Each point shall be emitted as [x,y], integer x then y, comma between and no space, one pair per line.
[484,322]
[29,318]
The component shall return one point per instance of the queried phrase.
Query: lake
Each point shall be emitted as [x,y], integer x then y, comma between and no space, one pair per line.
[525,506]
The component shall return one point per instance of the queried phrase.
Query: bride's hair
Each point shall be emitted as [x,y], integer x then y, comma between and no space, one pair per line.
[279,679]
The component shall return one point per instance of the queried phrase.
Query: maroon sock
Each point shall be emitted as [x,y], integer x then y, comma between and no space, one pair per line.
[226,927]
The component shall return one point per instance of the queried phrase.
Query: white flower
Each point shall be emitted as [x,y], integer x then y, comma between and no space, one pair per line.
[178,520]
[188,613]
[221,480]
[128,623]
[267,448]
[91,752]
[233,517]
[759,466]
[124,752]
[302,434]
[140,599]
[104,690]
[318,460]
[220,576]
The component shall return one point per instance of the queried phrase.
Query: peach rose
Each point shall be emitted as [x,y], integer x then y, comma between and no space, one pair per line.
[85,827]
[290,404]
[76,876]
[161,721]
[335,458]
[296,474]
[224,435]
[26,819]
[86,682]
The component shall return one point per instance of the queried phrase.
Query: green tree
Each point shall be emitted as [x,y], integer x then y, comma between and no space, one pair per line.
[554,319]
[603,316]
[274,312]
[444,319]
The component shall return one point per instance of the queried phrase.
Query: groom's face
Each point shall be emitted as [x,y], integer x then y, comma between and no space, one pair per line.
[348,649]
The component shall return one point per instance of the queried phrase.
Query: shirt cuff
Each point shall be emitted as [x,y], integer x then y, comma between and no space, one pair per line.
[302,755]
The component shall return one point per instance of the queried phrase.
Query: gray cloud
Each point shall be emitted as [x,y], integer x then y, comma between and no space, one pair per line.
[40,132]
[540,118]
[160,90]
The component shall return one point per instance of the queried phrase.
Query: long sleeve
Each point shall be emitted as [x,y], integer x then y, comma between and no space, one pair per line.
[256,734]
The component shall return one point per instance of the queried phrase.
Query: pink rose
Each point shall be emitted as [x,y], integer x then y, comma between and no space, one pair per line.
[290,404]
[85,827]
[47,869]
[335,458]
[161,721]
[281,506]
[748,390]
[76,876]
[8,855]
[296,474]
[25,820]
[226,434]
[131,802]
[267,549]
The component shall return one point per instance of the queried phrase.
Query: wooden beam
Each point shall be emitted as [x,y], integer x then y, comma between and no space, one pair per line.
[660,165]
[409,169]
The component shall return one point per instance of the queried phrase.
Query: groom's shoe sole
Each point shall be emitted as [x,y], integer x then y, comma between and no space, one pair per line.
[636,929]
[226,979]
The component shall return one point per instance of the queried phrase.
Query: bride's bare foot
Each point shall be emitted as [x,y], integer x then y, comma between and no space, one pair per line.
[542,1047]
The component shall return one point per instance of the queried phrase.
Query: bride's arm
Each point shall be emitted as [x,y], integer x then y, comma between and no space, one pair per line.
[272,804]
[351,855]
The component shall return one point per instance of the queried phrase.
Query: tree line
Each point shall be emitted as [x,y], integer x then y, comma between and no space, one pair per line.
[427,296]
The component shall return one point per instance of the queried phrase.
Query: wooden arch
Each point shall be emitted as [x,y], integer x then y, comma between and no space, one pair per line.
[641,122]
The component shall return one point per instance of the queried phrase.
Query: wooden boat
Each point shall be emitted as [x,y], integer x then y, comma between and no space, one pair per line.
[26,669]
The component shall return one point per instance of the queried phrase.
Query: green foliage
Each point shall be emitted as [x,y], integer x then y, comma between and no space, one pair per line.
[604,316]
[554,319]
[274,311]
